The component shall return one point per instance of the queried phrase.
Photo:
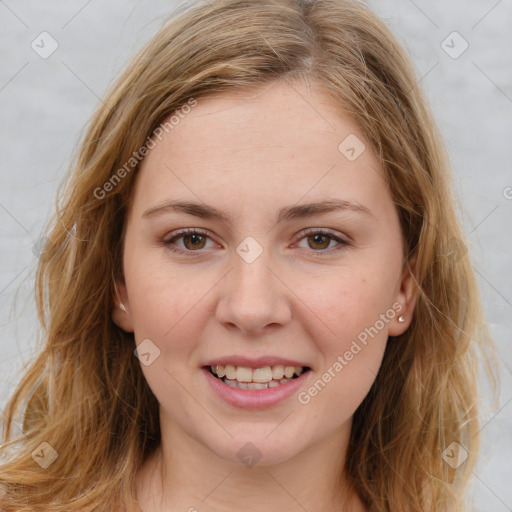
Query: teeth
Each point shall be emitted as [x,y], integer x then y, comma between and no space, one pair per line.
[243,374]
[289,371]
[230,371]
[267,376]
[255,385]
[262,374]
[277,372]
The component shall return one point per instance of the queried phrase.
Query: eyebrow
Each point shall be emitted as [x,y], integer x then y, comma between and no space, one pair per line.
[205,211]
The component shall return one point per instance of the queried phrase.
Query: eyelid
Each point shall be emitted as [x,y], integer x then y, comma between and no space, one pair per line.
[180,233]
[324,231]
[185,231]
[340,239]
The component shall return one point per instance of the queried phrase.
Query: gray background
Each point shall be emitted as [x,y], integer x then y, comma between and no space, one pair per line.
[46,103]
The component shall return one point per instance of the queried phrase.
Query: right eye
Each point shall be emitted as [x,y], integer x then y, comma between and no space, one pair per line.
[193,240]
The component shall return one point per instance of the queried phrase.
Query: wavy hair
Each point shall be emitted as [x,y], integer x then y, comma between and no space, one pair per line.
[85,394]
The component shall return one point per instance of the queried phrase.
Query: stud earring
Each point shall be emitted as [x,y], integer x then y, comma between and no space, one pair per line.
[122,306]
[401,319]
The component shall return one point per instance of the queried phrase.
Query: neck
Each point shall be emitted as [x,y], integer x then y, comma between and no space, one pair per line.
[184,475]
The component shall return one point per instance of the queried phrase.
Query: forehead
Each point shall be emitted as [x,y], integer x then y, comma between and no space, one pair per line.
[275,117]
[278,140]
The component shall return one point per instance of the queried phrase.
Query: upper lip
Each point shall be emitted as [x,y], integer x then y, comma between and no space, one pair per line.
[258,362]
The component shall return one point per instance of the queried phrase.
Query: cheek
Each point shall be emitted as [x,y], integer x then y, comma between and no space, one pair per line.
[350,356]
[345,305]
[164,297]
[350,330]
[167,308]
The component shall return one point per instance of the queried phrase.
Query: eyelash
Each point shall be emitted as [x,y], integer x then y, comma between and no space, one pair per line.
[305,234]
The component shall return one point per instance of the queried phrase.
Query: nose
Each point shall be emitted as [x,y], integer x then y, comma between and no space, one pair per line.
[253,299]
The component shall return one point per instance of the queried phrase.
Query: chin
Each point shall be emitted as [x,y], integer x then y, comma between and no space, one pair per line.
[262,447]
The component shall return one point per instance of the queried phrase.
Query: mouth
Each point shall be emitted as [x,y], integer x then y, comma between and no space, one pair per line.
[243,377]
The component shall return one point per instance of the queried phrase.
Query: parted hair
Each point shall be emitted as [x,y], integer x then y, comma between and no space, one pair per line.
[85,394]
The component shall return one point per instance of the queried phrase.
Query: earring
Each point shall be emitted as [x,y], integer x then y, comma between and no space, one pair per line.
[122,306]
[401,319]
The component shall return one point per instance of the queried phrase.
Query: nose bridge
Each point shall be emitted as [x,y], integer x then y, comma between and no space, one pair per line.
[253,280]
[252,297]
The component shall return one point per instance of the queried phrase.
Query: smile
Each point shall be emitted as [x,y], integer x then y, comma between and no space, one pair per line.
[242,377]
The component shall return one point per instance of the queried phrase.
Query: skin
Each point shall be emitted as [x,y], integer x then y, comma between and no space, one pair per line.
[250,154]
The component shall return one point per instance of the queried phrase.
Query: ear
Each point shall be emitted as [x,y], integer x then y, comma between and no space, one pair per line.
[121,313]
[405,299]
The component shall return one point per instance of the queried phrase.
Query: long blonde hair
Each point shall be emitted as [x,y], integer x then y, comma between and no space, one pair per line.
[85,394]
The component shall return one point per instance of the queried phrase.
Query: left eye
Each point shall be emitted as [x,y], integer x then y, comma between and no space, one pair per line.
[194,240]
[320,240]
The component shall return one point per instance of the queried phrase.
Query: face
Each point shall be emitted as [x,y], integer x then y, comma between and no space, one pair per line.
[291,263]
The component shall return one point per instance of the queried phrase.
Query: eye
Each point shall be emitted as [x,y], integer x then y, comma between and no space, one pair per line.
[193,240]
[320,240]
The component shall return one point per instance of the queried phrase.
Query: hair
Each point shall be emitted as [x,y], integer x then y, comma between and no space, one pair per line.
[85,394]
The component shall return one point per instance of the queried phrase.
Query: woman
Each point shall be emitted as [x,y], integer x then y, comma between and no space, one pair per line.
[253,292]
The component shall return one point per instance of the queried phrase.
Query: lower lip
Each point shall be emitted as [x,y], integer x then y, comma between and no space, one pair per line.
[255,398]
